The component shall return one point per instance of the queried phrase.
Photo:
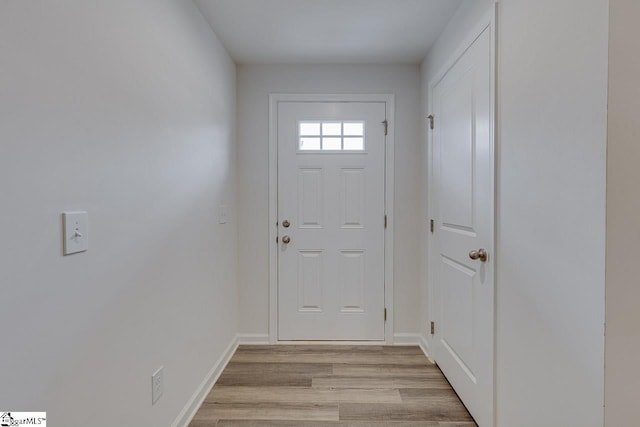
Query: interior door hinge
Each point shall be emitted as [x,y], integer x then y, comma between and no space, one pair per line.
[385,123]
[385,314]
[431,121]
[385,221]
[432,225]
[433,327]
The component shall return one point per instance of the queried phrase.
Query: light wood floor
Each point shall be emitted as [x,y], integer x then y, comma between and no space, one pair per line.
[323,386]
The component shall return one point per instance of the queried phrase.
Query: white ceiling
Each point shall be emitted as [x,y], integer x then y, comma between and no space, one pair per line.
[327,31]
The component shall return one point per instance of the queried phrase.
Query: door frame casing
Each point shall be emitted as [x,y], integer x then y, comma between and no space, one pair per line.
[274,100]
[488,21]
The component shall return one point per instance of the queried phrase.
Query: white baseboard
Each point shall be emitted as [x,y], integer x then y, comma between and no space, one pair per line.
[254,339]
[424,346]
[192,406]
[402,338]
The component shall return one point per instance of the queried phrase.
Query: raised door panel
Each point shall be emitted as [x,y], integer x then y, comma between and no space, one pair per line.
[457,155]
[353,198]
[351,280]
[310,282]
[457,321]
[310,197]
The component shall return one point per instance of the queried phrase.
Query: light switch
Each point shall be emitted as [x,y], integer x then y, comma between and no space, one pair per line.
[76,232]
[222,219]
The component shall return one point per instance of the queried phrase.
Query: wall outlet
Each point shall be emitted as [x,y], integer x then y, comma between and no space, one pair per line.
[157,385]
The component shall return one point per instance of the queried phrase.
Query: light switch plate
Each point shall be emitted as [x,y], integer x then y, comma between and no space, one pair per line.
[157,385]
[76,232]
[222,219]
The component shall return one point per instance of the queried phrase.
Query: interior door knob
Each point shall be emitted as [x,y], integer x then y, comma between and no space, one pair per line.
[286,239]
[286,223]
[480,254]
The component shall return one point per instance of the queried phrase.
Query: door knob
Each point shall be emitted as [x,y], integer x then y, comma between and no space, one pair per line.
[286,223]
[286,239]
[480,254]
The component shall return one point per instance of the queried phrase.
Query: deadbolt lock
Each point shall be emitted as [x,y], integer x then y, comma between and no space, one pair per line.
[286,223]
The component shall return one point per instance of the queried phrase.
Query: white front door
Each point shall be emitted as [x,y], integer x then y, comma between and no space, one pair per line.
[462,204]
[331,178]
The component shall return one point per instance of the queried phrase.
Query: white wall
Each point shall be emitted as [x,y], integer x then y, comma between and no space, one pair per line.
[551,207]
[622,377]
[124,109]
[552,212]
[255,82]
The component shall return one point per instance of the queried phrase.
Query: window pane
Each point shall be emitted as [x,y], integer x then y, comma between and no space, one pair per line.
[331,129]
[309,143]
[354,144]
[310,128]
[354,129]
[332,143]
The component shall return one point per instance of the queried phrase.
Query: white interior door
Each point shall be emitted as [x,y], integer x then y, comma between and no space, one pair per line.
[463,197]
[331,177]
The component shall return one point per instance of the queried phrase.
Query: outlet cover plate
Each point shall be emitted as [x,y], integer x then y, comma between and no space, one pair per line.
[157,385]
[76,232]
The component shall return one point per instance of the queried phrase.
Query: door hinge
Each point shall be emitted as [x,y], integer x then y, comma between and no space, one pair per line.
[385,123]
[432,225]
[433,327]
[385,314]
[431,121]
[385,221]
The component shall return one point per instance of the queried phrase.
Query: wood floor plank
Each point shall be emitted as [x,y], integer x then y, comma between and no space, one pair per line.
[403,349]
[425,370]
[336,381]
[403,412]
[293,394]
[280,368]
[268,411]
[266,380]
[428,395]
[203,423]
